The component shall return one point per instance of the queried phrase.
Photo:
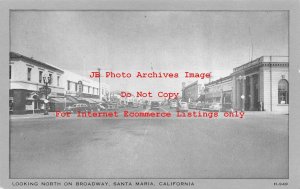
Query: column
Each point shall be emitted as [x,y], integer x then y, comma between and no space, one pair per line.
[238,94]
[243,93]
[233,93]
[251,93]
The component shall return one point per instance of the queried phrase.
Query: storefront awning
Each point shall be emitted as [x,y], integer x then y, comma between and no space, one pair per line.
[72,99]
[89,100]
[60,100]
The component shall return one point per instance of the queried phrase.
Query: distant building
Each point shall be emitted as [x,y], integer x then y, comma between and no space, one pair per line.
[26,80]
[259,85]
[80,86]
[192,92]
[220,91]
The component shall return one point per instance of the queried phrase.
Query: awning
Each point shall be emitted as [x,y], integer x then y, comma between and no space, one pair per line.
[60,100]
[72,99]
[89,100]
[96,100]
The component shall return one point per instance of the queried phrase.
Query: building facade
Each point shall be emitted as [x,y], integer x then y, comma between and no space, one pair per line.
[219,91]
[27,86]
[192,92]
[77,85]
[26,81]
[262,84]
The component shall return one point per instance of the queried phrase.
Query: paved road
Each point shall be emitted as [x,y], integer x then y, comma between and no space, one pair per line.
[253,147]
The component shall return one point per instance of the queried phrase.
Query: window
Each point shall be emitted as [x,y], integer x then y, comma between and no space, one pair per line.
[58,80]
[88,89]
[50,79]
[76,87]
[69,85]
[40,76]
[29,74]
[283,92]
[9,71]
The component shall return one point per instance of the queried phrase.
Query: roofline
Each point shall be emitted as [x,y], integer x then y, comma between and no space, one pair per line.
[219,80]
[17,55]
[259,60]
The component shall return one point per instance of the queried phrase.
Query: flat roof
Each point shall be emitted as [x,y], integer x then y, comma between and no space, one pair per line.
[17,55]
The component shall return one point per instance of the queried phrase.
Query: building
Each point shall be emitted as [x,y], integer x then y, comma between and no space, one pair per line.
[262,84]
[26,77]
[192,92]
[220,91]
[27,86]
[80,86]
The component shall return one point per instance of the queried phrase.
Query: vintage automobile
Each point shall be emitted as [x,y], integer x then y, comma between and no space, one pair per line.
[154,105]
[182,107]
[200,105]
[215,107]
[112,106]
[78,108]
[173,104]
[206,106]
[135,105]
[192,105]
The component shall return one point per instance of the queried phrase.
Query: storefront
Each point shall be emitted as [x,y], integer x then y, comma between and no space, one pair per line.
[26,82]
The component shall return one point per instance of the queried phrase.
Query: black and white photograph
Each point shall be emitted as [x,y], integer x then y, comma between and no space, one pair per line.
[149,94]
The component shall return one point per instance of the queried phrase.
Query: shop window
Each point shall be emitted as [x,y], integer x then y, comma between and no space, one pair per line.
[283,92]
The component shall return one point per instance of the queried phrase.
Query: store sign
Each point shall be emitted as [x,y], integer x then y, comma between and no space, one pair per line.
[80,87]
[45,90]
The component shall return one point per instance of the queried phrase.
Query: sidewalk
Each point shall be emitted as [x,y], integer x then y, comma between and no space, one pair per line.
[32,116]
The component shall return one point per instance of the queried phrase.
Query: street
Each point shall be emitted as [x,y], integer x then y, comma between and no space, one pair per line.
[253,147]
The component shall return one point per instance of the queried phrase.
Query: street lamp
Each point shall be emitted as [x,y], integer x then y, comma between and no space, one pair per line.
[242,78]
[47,80]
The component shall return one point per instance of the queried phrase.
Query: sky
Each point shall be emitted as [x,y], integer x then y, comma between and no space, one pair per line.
[131,41]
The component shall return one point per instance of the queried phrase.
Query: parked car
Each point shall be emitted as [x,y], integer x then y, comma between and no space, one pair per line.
[173,104]
[121,105]
[182,107]
[200,105]
[112,106]
[78,107]
[154,105]
[192,105]
[100,107]
[135,105]
[216,106]
[206,106]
